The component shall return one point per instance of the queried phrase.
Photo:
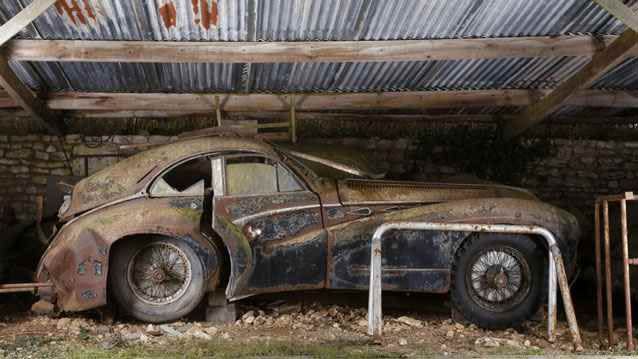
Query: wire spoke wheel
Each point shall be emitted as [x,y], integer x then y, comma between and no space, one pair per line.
[498,278]
[159,273]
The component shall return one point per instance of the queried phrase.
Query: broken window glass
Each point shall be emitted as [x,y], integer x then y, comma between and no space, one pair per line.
[190,178]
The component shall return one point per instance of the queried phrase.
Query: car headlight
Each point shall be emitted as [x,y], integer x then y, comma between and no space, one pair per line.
[65,206]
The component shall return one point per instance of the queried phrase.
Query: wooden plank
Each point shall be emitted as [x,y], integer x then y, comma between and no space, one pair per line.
[319,51]
[159,103]
[621,11]
[6,101]
[23,18]
[600,63]
[26,99]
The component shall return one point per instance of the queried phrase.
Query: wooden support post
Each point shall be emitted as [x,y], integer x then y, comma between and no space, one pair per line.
[626,277]
[218,111]
[608,277]
[23,18]
[293,119]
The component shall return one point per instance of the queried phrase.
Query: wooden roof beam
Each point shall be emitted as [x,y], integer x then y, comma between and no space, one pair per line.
[302,51]
[419,100]
[600,63]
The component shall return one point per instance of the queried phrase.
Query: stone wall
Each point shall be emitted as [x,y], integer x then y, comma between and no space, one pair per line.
[26,162]
[576,172]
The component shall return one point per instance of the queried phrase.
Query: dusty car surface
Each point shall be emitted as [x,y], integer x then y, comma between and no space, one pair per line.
[158,230]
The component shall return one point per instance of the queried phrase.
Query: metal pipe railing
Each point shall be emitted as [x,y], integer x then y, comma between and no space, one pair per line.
[603,201]
[556,270]
[22,287]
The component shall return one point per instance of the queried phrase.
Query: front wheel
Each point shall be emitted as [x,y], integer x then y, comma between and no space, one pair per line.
[497,280]
[157,280]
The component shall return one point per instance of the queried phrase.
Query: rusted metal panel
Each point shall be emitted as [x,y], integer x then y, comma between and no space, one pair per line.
[282,242]
[370,192]
[77,260]
[434,251]
[131,175]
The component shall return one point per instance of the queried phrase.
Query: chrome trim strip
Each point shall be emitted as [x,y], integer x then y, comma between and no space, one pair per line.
[241,221]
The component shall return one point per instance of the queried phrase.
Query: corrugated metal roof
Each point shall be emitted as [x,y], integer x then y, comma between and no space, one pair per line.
[293,20]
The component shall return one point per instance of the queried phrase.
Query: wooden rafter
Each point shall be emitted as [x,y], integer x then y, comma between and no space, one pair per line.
[23,18]
[621,11]
[19,93]
[600,63]
[319,51]
[421,100]
[6,101]
[26,99]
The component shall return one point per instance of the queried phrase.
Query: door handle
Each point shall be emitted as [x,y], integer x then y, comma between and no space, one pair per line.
[362,211]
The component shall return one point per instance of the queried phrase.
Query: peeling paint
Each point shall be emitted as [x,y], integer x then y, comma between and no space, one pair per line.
[79,15]
[205,15]
[168,13]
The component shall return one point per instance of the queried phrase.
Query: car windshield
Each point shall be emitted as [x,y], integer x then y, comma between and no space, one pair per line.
[296,164]
[314,166]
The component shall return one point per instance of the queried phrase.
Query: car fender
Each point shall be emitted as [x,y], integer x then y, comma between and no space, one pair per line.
[351,239]
[562,224]
[77,261]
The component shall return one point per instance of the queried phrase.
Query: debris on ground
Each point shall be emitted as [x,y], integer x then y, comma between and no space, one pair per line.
[314,324]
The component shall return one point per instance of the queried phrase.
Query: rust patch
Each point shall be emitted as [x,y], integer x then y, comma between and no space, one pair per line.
[208,13]
[168,14]
[74,11]
[89,10]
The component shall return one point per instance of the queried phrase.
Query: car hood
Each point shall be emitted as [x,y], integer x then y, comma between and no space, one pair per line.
[355,191]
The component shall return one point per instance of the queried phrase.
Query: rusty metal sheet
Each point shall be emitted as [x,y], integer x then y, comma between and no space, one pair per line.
[369,192]
[77,260]
[133,174]
[350,245]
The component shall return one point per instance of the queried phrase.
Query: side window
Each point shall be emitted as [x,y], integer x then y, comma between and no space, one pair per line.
[190,178]
[258,175]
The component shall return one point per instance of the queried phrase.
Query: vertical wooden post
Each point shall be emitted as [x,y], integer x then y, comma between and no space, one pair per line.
[625,262]
[608,282]
[599,275]
[293,119]
[218,112]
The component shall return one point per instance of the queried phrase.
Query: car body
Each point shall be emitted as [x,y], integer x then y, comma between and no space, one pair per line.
[262,221]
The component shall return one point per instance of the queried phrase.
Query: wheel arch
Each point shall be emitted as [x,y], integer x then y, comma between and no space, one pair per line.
[208,251]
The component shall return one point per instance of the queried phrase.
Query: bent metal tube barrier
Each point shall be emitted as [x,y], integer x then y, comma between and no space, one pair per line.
[556,270]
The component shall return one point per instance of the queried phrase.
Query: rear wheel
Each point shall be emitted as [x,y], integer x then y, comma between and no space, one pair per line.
[498,280]
[157,280]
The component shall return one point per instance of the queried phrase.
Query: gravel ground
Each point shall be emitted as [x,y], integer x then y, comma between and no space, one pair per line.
[280,329]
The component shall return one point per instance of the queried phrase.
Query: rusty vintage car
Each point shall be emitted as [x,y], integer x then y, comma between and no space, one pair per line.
[158,230]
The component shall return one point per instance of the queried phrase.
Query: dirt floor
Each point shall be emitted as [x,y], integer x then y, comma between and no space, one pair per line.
[287,326]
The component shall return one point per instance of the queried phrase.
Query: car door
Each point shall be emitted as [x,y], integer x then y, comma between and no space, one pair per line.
[277,219]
